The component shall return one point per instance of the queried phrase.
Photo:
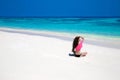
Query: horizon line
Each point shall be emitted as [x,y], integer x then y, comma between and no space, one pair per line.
[59,16]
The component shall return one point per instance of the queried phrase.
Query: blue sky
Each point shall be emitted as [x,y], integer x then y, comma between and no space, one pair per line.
[58,8]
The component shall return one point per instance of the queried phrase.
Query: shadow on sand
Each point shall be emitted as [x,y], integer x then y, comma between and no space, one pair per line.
[71,54]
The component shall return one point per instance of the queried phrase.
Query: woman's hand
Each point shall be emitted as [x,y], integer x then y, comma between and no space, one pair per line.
[82,37]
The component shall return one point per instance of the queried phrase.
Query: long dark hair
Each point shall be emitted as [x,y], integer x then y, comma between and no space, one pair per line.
[75,43]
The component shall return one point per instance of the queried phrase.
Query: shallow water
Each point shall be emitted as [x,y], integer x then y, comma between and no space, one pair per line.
[93,29]
[91,26]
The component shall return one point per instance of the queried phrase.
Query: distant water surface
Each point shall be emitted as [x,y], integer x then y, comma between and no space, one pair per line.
[95,27]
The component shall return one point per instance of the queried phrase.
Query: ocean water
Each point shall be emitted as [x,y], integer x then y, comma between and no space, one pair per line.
[87,27]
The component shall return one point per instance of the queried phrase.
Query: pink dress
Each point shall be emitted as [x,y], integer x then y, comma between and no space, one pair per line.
[79,46]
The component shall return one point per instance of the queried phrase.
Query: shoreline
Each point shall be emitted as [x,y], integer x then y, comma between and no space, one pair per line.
[63,36]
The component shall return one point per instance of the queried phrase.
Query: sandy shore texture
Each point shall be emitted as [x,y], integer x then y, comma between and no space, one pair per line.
[38,57]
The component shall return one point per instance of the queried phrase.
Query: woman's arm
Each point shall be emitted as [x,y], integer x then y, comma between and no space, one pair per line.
[82,37]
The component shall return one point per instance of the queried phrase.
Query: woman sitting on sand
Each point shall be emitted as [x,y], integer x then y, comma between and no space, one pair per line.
[77,45]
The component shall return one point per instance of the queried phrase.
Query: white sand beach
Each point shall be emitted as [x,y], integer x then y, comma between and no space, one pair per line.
[35,57]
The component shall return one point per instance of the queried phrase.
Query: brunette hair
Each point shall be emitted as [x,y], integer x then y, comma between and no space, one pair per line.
[75,43]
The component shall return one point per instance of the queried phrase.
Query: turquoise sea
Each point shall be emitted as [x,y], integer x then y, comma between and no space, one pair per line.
[94,28]
[109,27]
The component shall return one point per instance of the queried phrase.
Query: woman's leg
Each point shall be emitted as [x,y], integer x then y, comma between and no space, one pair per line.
[77,53]
[83,54]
